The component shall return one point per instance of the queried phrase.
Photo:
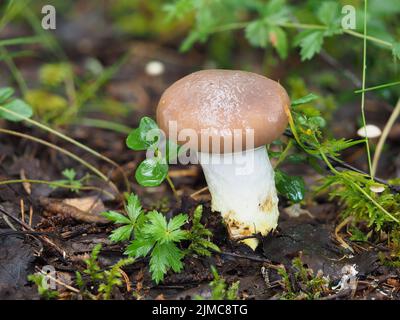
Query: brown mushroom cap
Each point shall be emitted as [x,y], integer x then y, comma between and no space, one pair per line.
[219,101]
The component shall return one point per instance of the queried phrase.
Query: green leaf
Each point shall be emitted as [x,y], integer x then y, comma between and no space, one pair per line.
[116,217]
[256,33]
[178,9]
[70,174]
[358,235]
[279,41]
[310,42]
[292,187]
[328,12]
[172,151]
[189,41]
[121,233]
[396,50]
[334,146]
[163,257]
[275,11]
[306,99]
[17,106]
[177,222]
[156,227]
[133,207]
[145,136]
[317,122]
[151,172]
[139,247]
[5,94]
[296,158]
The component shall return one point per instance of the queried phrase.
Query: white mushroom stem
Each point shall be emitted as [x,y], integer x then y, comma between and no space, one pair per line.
[242,188]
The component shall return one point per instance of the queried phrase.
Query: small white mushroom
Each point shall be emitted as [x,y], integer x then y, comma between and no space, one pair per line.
[225,109]
[369,131]
[154,68]
[377,188]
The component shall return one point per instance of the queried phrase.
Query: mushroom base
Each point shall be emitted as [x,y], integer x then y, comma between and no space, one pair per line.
[242,188]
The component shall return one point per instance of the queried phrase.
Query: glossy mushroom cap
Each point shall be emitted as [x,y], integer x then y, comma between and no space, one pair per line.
[217,102]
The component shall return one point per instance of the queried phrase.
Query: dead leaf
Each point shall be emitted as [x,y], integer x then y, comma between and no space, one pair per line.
[86,209]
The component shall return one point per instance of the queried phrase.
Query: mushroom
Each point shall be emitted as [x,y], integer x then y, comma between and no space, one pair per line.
[227,117]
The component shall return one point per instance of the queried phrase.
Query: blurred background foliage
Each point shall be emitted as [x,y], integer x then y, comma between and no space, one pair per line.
[256,35]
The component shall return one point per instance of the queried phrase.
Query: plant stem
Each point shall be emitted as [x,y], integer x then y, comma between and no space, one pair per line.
[363,88]
[104,124]
[395,114]
[55,184]
[20,40]
[284,153]
[66,152]
[76,143]
[366,37]
[171,184]
[296,25]
[382,86]
[14,70]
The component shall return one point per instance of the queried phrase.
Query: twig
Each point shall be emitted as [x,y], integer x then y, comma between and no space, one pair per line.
[395,114]
[56,184]
[26,226]
[339,238]
[62,150]
[198,192]
[73,141]
[172,186]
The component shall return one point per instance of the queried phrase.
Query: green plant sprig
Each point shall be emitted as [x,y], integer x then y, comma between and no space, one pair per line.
[308,138]
[153,171]
[150,234]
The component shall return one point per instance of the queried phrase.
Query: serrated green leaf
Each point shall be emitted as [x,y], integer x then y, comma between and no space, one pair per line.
[5,94]
[178,9]
[151,172]
[292,187]
[139,247]
[279,41]
[177,222]
[310,42]
[303,100]
[275,11]
[164,257]
[156,226]
[122,233]
[116,217]
[145,136]
[256,33]
[133,207]
[328,12]
[70,174]
[22,110]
